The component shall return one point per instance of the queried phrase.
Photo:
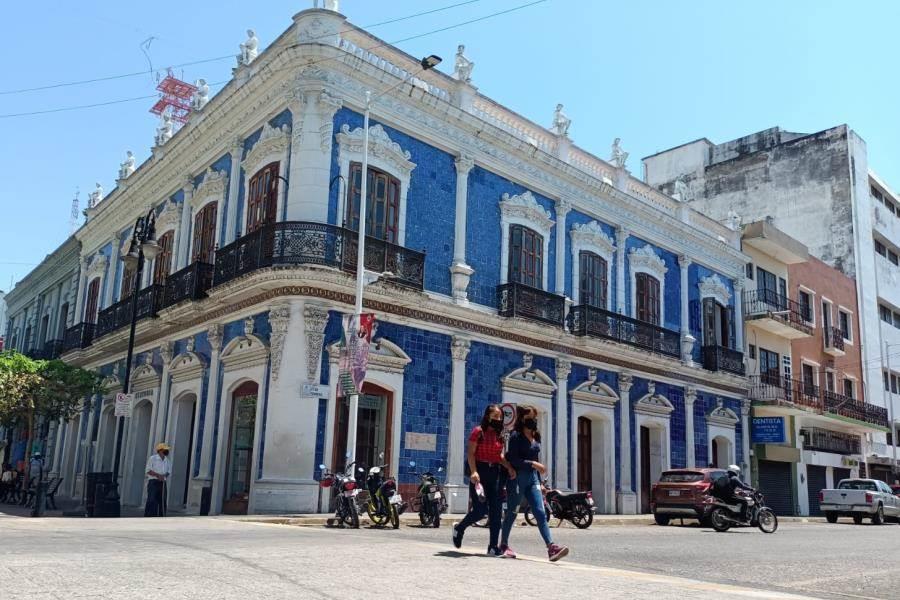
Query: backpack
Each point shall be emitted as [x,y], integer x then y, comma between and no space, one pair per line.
[466,470]
[721,487]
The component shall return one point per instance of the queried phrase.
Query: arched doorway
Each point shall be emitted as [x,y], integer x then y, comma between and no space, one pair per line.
[141,418]
[721,452]
[241,437]
[107,444]
[182,442]
[652,463]
[374,431]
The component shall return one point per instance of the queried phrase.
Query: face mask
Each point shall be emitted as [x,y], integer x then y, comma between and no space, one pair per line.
[165,452]
[496,425]
[530,424]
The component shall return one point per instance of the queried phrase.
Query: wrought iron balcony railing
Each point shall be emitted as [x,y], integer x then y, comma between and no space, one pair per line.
[719,358]
[118,315]
[190,283]
[852,408]
[771,303]
[593,321]
[770,387]
[292,243]
[78,337]
[520,300]
[824,440]
[834,339]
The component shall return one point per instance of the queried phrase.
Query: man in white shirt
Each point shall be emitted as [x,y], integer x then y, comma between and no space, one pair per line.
[158,470]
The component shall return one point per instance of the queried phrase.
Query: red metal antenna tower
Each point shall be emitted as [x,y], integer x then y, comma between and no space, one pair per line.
[175,96]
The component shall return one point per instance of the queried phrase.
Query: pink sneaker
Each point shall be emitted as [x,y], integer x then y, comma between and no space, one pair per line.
[554,552]
[507,552]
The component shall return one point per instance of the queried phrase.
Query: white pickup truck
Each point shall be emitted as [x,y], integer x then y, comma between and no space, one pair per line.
[860,499]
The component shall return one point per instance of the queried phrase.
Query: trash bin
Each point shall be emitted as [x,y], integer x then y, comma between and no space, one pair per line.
[96,486]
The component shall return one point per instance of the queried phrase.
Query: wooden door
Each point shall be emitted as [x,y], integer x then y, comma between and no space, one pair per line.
[645,470]
[585,460]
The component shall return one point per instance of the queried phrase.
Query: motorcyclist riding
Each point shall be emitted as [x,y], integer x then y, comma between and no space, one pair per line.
[728,490]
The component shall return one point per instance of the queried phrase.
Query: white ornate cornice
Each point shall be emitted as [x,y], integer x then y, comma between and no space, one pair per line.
[380,146]
[524,206]
[273,141]
[646,260]
[213,187]
[713,287]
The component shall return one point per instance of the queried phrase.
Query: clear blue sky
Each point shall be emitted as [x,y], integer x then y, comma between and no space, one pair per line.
[656,73]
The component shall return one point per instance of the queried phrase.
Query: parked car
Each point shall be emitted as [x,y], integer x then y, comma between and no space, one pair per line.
[896,489]
[860,499]
[683,494]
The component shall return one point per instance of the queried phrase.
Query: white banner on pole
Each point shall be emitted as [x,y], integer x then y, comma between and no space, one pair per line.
[124,402]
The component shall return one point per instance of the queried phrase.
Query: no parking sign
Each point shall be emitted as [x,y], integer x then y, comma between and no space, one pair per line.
[509,415]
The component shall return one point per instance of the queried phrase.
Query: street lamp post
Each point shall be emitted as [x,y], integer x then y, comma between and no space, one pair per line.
[143,246]
[429,62]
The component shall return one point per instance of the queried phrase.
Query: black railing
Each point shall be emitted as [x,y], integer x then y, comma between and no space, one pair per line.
[520,300]
[590,320]
[834,338]
[305,243]
[771,387]
[190,283]
[149,301]
[719,358]
[852,408]
[52,349]
[824,440]
[772,304]
[78,337]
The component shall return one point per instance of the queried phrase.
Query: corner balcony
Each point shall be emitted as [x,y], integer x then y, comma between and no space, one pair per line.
[851,408]
[824,440]
[190,283]
[775,390]
[295,243]
[719,358]
[834,341]
[776,314]
[520,300]
[597,322]
[78,337]
[112,318]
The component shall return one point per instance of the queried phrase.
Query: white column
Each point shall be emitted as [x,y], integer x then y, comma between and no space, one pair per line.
[108,279]
[562,210]
[207,450]
[79,294]
[687,340]
[690,395]
[460,272]
[745,438]
[621,238]
[561,473]
[626,501]
[504,254]
[312,112]
[739,314]
[160,433]
[456,452]
[184,229]
[234,190]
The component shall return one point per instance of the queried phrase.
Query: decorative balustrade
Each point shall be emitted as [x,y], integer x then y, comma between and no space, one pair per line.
[823,440]
[719,358]
[190,283]
[78,337]
[852,408]
[118,315]
[292,243]
[597,322]
[520,300]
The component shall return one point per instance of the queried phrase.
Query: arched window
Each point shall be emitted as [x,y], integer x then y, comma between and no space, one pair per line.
[204,243]
[382,206]
[262,205]
[592,274]
[163,263]
[526,256]
[647,297]
[92,301]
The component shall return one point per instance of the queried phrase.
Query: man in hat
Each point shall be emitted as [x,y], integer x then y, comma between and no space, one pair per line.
[158,470]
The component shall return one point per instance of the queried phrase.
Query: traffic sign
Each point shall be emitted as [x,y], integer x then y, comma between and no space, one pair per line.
[124,402]
[509,415]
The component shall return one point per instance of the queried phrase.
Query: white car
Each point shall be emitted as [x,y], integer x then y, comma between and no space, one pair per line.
[860,499]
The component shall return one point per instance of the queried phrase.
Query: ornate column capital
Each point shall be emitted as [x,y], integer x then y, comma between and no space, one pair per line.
[563,368]
[685,261]
[315,318]
[563,208]
[279,319]
[621,236]
[745,408]
[214,335]
[464,163]
[165,352]
[738,285]
[625,382]
[236,147]
[690,394]
[460,348]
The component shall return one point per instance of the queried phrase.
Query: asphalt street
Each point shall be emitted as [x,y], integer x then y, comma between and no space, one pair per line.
[219,558]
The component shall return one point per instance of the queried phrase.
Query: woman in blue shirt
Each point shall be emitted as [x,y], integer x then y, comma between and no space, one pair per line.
[523,453]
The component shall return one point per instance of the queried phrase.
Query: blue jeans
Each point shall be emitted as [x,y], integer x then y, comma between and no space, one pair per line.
[527,485]
[490,481]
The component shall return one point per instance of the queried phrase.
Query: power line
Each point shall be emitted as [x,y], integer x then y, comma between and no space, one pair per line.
[379,45]
[228,56]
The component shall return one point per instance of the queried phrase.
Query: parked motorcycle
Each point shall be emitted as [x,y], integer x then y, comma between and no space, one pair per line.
[575,507]
[429,501]
[724,515]
[346,510]
[385,502]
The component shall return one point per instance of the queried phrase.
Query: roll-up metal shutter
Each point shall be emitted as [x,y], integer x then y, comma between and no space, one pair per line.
[775,484]
[815,482]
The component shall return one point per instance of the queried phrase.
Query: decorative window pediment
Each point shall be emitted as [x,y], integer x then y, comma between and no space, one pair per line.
[646,260]
[653,403]
[524,209]
[169,217]
[722,416]
[384,355]
[144,376]
[247,350]
[590,236]
[272,145]
[96,265]
[380,147]
[111,384]
[595,392]
[529,381]
[211,188]
[713,287]
[186,366]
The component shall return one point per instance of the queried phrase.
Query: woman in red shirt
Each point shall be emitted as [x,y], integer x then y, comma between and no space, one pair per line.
[486,463]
